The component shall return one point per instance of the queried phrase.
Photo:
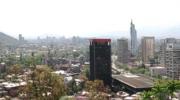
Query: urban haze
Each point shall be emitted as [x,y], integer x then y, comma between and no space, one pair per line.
[90,50]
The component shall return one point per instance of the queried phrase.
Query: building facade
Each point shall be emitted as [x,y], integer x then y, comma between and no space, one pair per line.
[172,60]
[163,46]
[170,57]
[122,50]
[100,60]
[148,49]
[158,71]
[134,44]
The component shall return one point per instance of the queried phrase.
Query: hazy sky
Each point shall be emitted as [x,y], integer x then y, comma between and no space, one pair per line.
[33,18]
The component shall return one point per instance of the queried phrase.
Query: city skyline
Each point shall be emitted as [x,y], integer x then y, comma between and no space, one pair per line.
[89,18]
[89,50]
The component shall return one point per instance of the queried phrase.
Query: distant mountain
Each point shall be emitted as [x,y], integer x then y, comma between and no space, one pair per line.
[7,40]
[160,33]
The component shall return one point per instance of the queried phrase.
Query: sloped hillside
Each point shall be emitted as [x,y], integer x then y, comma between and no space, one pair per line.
[7,40]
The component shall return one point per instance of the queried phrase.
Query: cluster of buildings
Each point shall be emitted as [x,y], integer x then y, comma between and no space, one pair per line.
[63,59]
[162,62]
[166,57]
[100,68]
[146,50]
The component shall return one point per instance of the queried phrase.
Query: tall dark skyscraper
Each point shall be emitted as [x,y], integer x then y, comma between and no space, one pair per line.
[100,60]
[134,48]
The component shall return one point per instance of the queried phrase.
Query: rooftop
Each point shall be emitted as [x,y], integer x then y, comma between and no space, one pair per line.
[101,40]
[158,67]
[134,81]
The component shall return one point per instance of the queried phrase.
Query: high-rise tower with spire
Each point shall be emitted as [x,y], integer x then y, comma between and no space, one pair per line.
[134,48]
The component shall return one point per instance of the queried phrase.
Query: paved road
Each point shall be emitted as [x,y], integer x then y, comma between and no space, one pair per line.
[114,58]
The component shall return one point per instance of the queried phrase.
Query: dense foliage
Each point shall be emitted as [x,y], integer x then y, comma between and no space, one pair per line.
[163,90]
[97,90]
[45,85]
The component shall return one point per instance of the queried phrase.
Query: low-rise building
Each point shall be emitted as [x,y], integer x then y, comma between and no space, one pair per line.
[158,71]
[131,83]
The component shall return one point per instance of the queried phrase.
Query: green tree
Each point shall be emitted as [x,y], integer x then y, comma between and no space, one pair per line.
[85,71]
[38,59]
[15,69]
[172,86]
[96,85]
[10,60]
[162,90]
[73,87]
[147,95]
[45,85]
[97,90]
[75,54]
